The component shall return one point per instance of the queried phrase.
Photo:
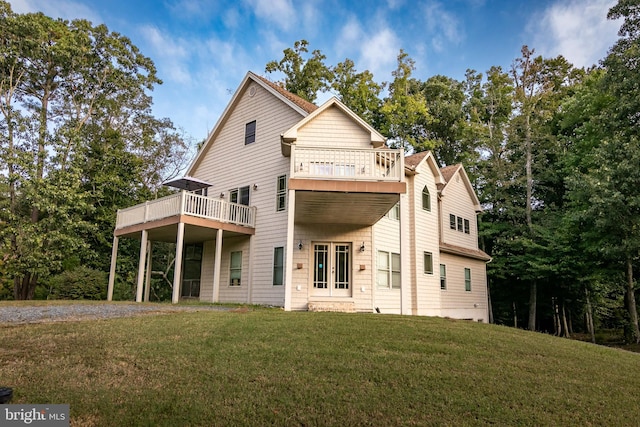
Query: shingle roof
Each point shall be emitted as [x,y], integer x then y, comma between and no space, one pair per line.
[414,160]
[470,253]
[448,171]
[300,102]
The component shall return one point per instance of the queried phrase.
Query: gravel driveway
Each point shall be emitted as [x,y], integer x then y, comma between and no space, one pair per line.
[80,311]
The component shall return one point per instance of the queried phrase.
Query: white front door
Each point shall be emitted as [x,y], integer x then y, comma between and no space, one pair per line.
[332,269]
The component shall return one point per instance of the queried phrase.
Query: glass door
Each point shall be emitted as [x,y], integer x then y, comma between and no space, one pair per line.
[332,269]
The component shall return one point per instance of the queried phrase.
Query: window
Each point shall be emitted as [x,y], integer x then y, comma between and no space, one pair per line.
[394,213]
[235,269]
[452,221]
[388,270]
[459,224]
[240,195]
[426,199]
[278,266]
[467,279]
[466,226]
[443,276]
[250,133]
[428,263]
[281,193]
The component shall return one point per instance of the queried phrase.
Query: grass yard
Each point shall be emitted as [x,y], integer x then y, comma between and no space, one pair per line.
[268,367]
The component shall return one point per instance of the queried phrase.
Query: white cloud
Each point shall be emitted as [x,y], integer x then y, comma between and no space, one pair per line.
[443,27]
[170,55]
[56,9]
[577,29]
[278,12]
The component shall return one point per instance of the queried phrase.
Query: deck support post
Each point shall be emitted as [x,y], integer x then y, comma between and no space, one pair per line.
[177,271]
[288,271]
[217,261]
[147,288]
[112,269]
[141,265]
[405,265]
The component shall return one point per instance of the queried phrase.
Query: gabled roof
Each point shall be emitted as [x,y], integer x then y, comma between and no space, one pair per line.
[298,104]
[377,140]
[449,173]
[412,162]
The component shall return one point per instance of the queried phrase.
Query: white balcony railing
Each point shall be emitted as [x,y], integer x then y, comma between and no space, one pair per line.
[184,203]
[347,164]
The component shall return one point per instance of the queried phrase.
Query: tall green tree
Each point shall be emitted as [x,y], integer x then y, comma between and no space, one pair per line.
[358,91]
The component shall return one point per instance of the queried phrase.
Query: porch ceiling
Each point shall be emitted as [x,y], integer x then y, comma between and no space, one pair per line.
[324,207]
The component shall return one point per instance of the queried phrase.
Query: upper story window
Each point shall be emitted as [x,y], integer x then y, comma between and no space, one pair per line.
[281,193]
[426,199]
[250,133]
[459,223]
[240,195]
[452,221]
[466,226]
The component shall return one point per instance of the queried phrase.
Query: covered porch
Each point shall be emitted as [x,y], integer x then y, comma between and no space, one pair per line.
[182,218]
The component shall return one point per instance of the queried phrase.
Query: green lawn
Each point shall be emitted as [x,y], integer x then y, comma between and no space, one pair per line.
[268,367]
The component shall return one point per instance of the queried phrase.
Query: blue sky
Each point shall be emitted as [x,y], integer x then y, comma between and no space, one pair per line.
[203,48]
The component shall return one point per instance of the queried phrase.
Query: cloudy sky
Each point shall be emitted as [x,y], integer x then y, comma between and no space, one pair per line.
[203,48]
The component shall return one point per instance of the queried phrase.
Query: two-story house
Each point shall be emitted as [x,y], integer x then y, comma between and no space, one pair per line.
[305,207]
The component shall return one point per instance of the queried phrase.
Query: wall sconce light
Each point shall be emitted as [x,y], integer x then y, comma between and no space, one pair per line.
[255,186]
[222,195]
[362,247]
[300,245]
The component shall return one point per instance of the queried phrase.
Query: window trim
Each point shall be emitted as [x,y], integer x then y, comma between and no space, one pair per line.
[250,133]
[428,255]
[443,277]
[278,267]
[467,226]
[389,271]
[452,221]
[467,279]
[281,193]
[426,197]
[236,270]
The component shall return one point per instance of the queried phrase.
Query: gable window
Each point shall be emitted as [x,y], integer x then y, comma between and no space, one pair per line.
[466,226]
[443,277]
[459,224]
[394,212]
[426,199]
[250,133]
[467,279]
[388,270]
[452,221]
[281,193]
[278,266]
[235,268]
[240,195]
[428,263]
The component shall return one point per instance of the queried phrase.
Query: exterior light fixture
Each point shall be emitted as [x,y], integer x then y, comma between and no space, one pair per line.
[300,245]
[362,247]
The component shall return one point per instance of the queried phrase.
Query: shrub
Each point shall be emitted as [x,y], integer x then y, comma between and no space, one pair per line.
[79,283]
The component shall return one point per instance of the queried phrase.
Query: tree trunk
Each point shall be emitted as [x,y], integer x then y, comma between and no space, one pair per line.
[491,320]
[631,303]
[533,301]
[565,326]
[590,318]
[515,316]
[554,308]
[24,288]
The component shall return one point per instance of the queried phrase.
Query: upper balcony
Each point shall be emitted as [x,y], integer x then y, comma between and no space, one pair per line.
[346,186]
[160,217]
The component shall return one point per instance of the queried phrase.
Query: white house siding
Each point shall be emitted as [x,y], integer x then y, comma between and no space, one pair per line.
[334,129]
[386,238]
[206,271]
[308,234]
[457,201]
[230,164]
[456,301]
[425,239]
[230,293]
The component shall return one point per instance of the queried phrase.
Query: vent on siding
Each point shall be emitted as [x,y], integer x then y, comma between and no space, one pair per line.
[252,91]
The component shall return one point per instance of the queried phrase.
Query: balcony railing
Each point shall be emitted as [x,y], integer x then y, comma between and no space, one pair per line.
[347,164]
[184,203]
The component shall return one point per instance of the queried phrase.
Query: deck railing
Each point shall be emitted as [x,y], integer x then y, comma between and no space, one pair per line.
[347,164]
[185,203]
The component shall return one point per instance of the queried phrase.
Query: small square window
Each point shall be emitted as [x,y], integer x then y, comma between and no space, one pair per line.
[250,133]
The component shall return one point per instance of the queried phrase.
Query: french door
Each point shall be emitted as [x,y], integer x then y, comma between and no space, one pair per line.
[332,269]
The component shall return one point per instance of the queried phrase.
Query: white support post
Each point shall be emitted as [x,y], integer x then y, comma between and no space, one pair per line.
[147,287]
[112,270]
[288,271]
[216,266]
[177,271]
[405,264]
[141,264]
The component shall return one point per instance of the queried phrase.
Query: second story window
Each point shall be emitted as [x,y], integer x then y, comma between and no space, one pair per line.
[250,133]
[452,221]
[240,195]
[426,199]
[281,193]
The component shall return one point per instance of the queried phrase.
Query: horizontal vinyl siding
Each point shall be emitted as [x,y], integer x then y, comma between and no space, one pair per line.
[332,128]
[206,272]
[457,201]
[239,294]
[458,303]
[231,164]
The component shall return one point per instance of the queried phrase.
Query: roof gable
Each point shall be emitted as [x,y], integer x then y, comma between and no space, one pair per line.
[377,140]
[449,173]
[301,106]
[413,162]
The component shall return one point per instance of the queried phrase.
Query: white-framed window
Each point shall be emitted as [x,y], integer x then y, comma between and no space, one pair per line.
[459,223]
[235,268]
[467,229]
[428,263]
[443,277]
[250,133]
[281,193]
[452,221]
[278,266]
[467,279]
[426,199]
[394,212]
[240,195]
[388,276]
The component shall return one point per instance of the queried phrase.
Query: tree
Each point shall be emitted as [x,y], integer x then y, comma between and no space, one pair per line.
[303,77]
[358,91]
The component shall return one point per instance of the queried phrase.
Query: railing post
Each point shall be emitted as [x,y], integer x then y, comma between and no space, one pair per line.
[183,195]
